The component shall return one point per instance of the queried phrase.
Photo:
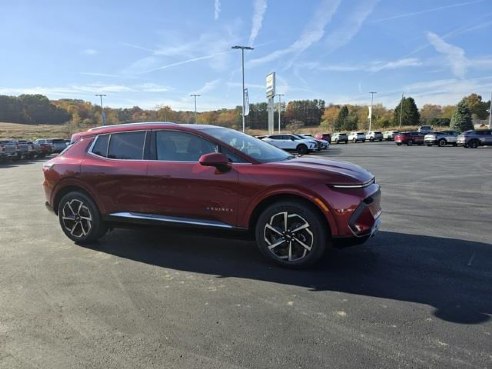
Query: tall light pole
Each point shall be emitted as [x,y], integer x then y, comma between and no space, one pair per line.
[370,112]
[195,96]
[490,112]
[242,68]
[401,110]
[279,109]
[103,118]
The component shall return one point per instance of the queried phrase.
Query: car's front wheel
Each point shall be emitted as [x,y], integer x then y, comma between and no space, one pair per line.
[473,144]
[442,142]
[79,218]
[291,234]
[302,149]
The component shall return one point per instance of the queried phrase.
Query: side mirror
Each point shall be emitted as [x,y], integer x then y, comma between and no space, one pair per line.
[215,159]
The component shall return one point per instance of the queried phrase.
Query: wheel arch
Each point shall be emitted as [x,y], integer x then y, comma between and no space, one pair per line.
[265,203]
[67,189]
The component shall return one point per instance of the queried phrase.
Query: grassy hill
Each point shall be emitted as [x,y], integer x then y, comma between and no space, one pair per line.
[31,132]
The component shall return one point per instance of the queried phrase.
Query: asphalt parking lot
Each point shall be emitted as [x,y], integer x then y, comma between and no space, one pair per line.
[417,295]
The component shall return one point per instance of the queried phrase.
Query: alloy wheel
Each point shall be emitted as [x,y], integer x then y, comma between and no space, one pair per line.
[288,236]
[76,218]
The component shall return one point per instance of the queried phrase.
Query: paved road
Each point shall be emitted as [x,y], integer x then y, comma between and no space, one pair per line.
[418,295]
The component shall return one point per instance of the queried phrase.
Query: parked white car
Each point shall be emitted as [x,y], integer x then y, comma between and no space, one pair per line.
[292,143]
[322,144]
[374,136]
[389,135]
[357,137]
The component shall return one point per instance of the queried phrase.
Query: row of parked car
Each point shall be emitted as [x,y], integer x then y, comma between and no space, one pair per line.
[467,139]
[11,149]
[424,135]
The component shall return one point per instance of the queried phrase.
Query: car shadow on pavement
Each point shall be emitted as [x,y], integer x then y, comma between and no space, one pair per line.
[453,276]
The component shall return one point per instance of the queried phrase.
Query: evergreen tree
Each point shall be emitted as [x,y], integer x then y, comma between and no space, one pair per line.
[462,118]
[342,116]
[410,115]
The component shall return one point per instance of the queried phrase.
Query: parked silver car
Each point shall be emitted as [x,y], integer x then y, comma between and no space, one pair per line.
[8,149]
[441,138]
[475,138]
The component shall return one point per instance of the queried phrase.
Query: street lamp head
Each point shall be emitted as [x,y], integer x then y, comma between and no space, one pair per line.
[242,47]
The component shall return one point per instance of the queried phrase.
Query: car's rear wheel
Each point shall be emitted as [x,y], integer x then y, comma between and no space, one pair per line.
[79,218]
[409,143]
[302,149]
[291,234]
[441,142]
[473,144]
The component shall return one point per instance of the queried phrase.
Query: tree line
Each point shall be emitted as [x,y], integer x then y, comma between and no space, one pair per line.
[37,109]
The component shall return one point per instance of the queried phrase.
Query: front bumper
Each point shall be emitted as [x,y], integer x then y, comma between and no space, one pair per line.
[366,219]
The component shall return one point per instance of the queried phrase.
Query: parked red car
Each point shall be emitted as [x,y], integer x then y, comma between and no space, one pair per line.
[409,138]
[214,177]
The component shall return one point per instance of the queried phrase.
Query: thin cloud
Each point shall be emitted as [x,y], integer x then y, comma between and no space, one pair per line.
[93,74]
[313,32]
[405,15]
[454,55]
[191,60]
[216,9]
[351,26]
[89,52]
[207,87]
[375,66]
[260,7]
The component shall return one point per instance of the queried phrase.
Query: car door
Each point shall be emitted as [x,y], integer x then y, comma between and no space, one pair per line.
[487,138]
[180,187]
[116,171]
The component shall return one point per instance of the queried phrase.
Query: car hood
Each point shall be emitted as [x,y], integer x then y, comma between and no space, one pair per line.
[336,172]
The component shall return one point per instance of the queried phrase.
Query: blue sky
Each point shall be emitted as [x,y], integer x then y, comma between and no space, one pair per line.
[158,52]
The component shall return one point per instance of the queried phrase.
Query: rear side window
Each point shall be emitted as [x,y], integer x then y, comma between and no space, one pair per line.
[126,145]
[100,147]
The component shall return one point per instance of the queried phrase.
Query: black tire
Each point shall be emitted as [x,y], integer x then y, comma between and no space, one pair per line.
[398,144]
[80,219]
[302,149]
[409,143]
[442,142]
[294,249]
[473,144]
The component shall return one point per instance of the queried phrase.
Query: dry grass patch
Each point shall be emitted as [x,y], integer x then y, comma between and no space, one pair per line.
[33,131]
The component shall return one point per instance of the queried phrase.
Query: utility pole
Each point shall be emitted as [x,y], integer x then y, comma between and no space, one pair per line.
[195,96]
[370,113]
[103,117]
[279,109]
[490,112]
[242,68]
[401,109]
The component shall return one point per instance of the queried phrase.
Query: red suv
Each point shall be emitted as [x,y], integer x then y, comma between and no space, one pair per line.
[208,176]
[409,138]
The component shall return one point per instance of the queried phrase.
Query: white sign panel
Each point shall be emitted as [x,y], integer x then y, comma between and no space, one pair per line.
[270,85]
[246,102]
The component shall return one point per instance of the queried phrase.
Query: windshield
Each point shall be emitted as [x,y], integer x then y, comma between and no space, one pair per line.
[251,146]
